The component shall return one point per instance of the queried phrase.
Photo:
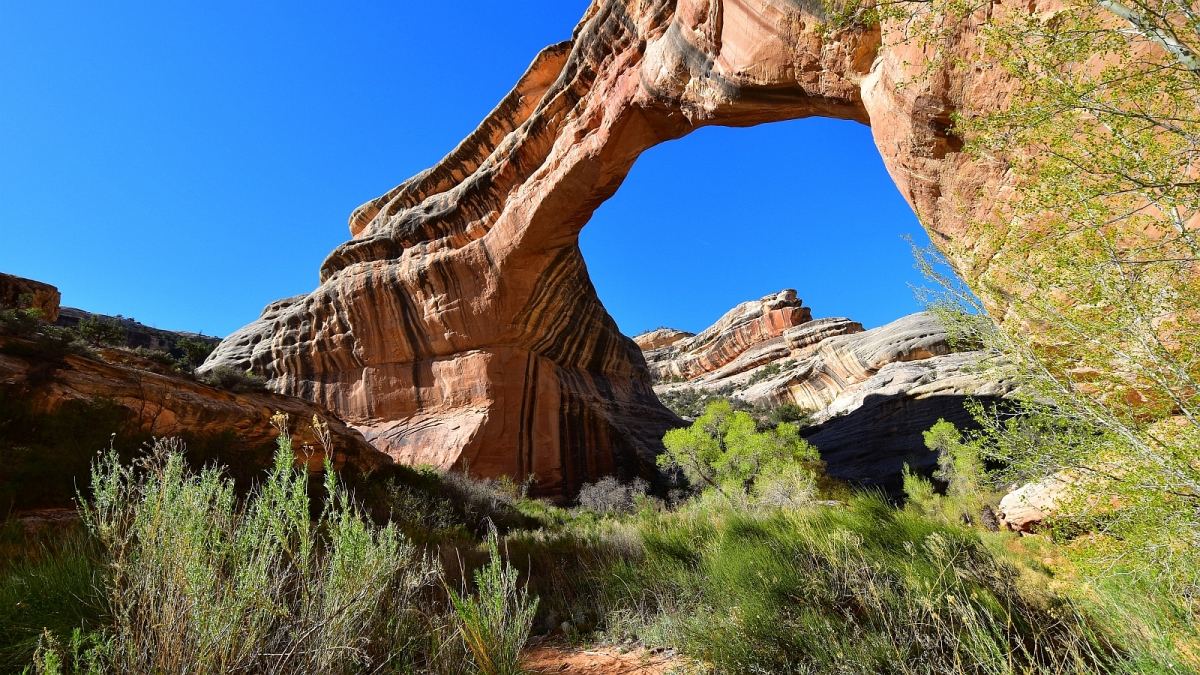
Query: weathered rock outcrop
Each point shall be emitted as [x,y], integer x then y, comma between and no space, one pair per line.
[748,324]
[659,337]
[165,404]
[459,323]
[136,334]
[41,296]
[871,393]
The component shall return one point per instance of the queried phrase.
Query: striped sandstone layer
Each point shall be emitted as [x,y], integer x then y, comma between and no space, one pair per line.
[870,393]
[459,325]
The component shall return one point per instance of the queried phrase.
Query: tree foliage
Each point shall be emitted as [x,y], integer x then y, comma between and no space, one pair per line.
[1085,276]
[724,451]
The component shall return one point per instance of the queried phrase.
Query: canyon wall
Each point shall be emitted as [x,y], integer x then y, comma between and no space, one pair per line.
[459,327]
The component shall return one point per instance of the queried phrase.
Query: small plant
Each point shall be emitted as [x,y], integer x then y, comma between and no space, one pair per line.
[920,493]
[98,332]
[495,624]
[231,379]
[608,495]
[194,352]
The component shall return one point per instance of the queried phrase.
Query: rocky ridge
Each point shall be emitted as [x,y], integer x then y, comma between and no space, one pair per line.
[41,374]
[870,393]
[137,334]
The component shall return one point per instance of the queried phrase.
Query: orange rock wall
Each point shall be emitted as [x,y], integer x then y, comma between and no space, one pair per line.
[459,324]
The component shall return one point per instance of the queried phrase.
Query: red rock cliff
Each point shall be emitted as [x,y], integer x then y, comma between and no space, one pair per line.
[459,323]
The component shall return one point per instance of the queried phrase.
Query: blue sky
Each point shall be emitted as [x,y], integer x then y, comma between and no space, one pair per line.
[186,163]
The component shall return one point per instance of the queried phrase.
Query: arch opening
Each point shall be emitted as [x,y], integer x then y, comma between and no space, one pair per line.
[724,215]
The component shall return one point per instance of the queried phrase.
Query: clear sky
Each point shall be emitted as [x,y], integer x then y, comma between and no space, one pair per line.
[185,163]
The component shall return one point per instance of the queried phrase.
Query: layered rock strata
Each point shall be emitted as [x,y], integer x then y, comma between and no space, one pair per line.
[459,324]
[871,393]
[163,403]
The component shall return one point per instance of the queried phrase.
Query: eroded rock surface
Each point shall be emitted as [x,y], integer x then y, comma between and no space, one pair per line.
[459,324]
[40,295]
[870,393]
[164,404]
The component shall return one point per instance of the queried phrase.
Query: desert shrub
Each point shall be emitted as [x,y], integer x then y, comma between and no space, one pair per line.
[494,624]
[860,589]
[970,493]
[787,486]
[192,352]
[245,585]
[765,373]
[724,451]
[920,495]
[98,332]
[160,357]
[689,403]
[17,322]
[47,583]
[608,495]
[232,379]
[789,413]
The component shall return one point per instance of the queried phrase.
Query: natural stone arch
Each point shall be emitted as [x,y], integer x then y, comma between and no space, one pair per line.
[459,324]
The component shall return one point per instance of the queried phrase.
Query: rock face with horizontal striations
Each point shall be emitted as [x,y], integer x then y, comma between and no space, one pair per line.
[871,393]
[742,327]
[459,325]
[164,403]
[659,337]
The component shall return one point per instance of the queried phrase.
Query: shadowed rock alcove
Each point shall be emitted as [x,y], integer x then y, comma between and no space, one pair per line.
[459,325]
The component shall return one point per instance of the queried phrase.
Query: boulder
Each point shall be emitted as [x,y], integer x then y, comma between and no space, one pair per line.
[1024,509]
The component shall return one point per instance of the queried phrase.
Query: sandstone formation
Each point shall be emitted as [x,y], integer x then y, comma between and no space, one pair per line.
[659,337]
[459,323]
[40,296]
[871,393]
[1024,509]
[162,403]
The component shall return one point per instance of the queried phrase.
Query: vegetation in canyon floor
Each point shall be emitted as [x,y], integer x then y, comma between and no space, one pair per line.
[409,570]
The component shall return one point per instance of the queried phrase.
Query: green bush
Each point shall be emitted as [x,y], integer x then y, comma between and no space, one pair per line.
[495,623]
[46,583]
[98,332]
[861,589]
[231,379]
[193,352]
[723,451]
[244,586]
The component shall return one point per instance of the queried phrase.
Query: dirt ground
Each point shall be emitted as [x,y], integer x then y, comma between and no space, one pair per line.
[551,658]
